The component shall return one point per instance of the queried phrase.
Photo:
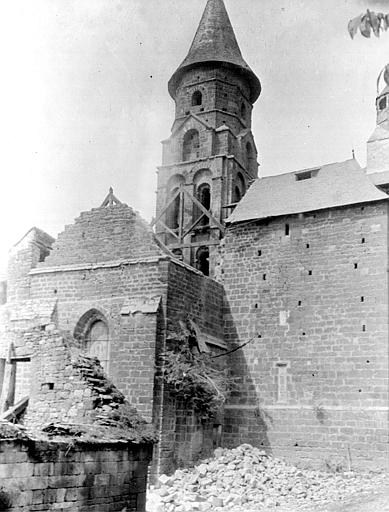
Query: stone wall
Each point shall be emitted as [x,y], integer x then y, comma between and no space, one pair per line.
[58,392]
[184,437]
[310,292]
[47,475]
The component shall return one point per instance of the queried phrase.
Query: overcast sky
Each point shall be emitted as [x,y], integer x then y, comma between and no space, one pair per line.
[84,98]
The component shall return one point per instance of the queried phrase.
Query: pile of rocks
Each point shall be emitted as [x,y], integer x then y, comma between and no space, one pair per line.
[247,479]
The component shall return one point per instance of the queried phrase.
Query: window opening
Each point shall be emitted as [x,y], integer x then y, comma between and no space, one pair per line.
[43,253]
[202,260]
[287,230]
[197,99]
[303,176]
[243,111]
[249,155]
[173,212]
[382,103]
[282,391]
[204,196]
[178,254]
[306,175]
[237,195]
[96,339]
[191,145]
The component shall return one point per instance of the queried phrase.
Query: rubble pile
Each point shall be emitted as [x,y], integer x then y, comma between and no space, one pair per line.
[247,479]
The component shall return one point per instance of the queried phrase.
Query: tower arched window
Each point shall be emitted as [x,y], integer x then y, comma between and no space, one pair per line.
[243,111]
[197,99]
[249,155]
[204,196]
[191,145]
[202,260]
[173,212]
[237,196]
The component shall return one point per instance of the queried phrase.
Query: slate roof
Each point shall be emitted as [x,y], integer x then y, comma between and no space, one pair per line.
[333,185]
[215,41]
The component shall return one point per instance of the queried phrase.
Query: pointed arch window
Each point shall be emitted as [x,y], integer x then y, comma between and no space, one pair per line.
[190,150]
[197,99]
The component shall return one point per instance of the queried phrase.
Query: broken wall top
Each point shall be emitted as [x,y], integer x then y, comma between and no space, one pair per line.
[104,234]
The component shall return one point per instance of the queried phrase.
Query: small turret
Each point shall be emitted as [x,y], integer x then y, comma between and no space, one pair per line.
[382,101]
[378,144]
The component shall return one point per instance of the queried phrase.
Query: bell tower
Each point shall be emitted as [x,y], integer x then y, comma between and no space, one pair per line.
[210,158]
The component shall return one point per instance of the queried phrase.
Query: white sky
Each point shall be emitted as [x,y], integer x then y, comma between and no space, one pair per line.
[84,98]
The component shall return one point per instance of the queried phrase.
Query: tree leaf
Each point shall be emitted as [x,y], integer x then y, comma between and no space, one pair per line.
[382,21]
[364,26]
[353,25]
[374,22]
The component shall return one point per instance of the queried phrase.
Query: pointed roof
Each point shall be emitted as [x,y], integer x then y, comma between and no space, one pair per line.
[215,41]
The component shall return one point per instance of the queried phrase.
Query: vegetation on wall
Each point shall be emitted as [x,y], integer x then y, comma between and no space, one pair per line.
[194,377]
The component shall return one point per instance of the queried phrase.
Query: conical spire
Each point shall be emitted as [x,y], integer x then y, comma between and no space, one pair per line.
[215,41]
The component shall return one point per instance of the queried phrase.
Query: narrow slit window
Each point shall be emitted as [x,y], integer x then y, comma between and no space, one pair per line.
[287,230]
[282,382]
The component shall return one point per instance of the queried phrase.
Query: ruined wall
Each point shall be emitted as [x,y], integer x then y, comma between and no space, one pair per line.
[107,266]
[127,298]
[45,476]
[313,297]
[184,437]
[57,392]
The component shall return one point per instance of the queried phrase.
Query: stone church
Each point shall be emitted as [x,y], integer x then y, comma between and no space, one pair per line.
[284,275]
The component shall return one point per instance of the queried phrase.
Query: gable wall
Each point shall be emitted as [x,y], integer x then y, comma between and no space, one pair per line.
[329,397]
